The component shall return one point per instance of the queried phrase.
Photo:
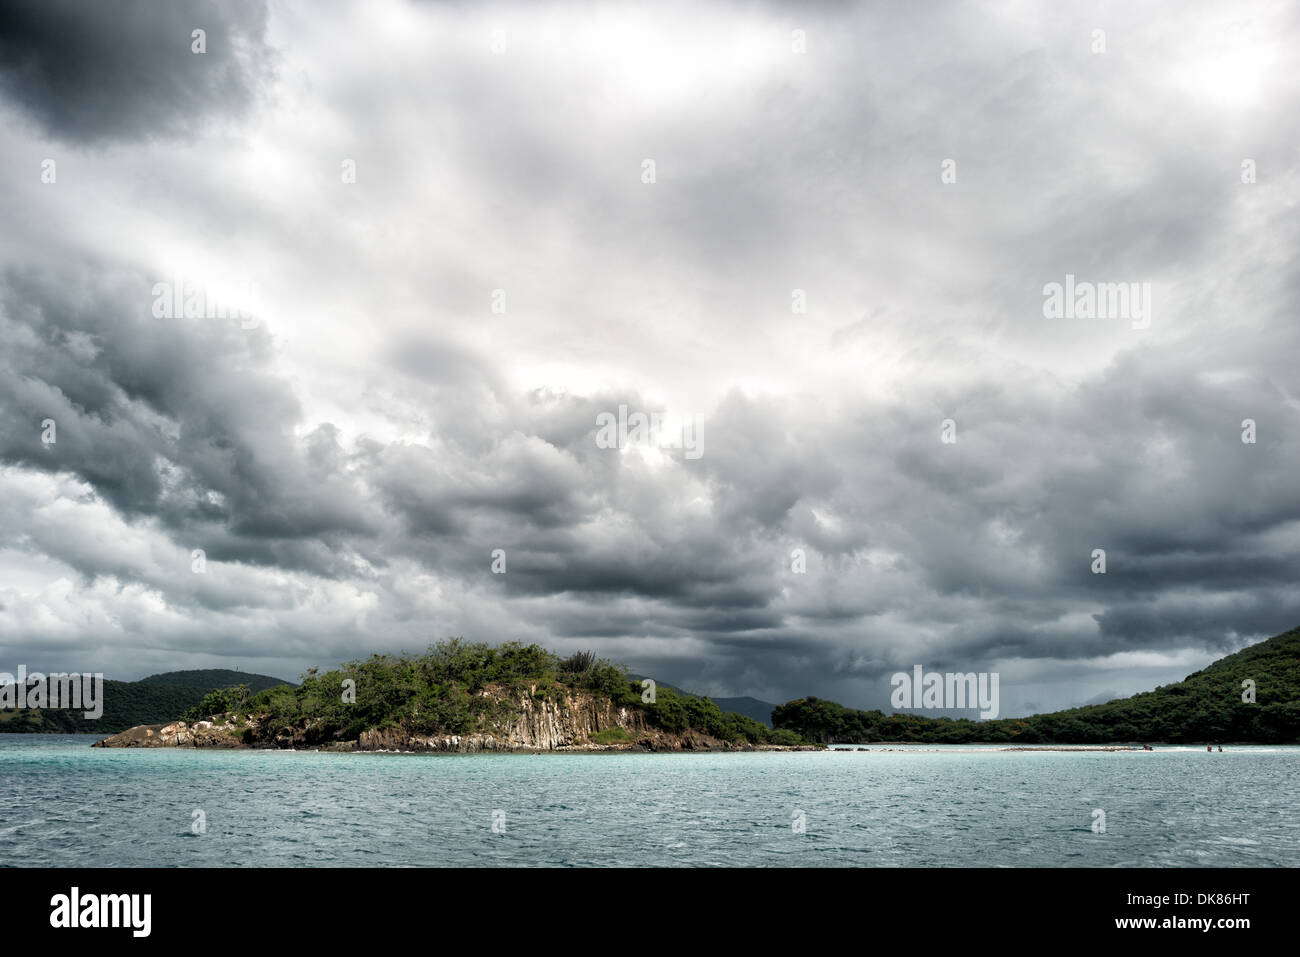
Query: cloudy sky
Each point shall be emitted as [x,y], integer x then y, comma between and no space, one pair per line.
[461,233]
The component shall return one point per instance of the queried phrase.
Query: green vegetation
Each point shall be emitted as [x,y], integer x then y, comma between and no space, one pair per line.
[676,711]
[1206,706]
[221,701]
[459,688]
[454,688]
[612,736]
[151,700]
[760,711]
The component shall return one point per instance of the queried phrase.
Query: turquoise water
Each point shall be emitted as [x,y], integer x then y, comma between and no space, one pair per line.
[63,803]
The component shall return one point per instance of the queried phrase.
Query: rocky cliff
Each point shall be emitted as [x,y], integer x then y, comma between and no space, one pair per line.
[178,734]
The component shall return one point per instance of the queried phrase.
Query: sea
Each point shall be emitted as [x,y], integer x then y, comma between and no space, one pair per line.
[63,803]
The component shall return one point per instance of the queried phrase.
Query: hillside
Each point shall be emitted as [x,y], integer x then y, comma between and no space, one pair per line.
[129,703]
[760,711]
[461,697]
[1205,706]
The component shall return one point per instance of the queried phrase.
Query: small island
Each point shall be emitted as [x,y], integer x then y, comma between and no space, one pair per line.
[464,697]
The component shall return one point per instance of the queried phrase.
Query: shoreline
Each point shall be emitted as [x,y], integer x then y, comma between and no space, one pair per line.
[151,740]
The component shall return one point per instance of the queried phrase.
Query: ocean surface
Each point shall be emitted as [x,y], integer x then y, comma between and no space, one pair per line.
[63,803]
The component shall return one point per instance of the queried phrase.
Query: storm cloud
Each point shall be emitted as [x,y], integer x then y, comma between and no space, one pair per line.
[127,69]
[819,236]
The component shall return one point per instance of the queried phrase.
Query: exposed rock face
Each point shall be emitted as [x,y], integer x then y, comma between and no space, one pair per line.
[547,725]
[542,724]
[178,734]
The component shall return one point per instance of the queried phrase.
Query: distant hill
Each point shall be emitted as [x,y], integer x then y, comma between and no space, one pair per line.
[1206,706]
[209,678]
[760,711]
[150,700]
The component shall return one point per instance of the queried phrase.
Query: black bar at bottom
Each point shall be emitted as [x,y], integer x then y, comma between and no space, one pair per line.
[930,906]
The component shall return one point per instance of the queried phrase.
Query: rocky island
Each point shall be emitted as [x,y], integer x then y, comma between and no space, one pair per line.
[461,697]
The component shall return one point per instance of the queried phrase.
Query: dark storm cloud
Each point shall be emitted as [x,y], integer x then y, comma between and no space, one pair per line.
[351,464]
[125,70]
[1141,459]
[178,420]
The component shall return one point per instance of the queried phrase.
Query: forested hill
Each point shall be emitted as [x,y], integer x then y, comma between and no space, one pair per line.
[1203,707]
[760,711]
[129,703]
[463,696]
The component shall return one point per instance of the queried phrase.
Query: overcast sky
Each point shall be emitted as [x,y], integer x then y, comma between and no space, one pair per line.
[430,345]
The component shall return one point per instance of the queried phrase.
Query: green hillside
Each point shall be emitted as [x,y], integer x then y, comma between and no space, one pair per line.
[150,700]
[760,711]
[458,688]
[1205,706]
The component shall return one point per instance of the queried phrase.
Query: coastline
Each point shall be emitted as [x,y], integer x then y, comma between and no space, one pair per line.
[207,734]
[228,736]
